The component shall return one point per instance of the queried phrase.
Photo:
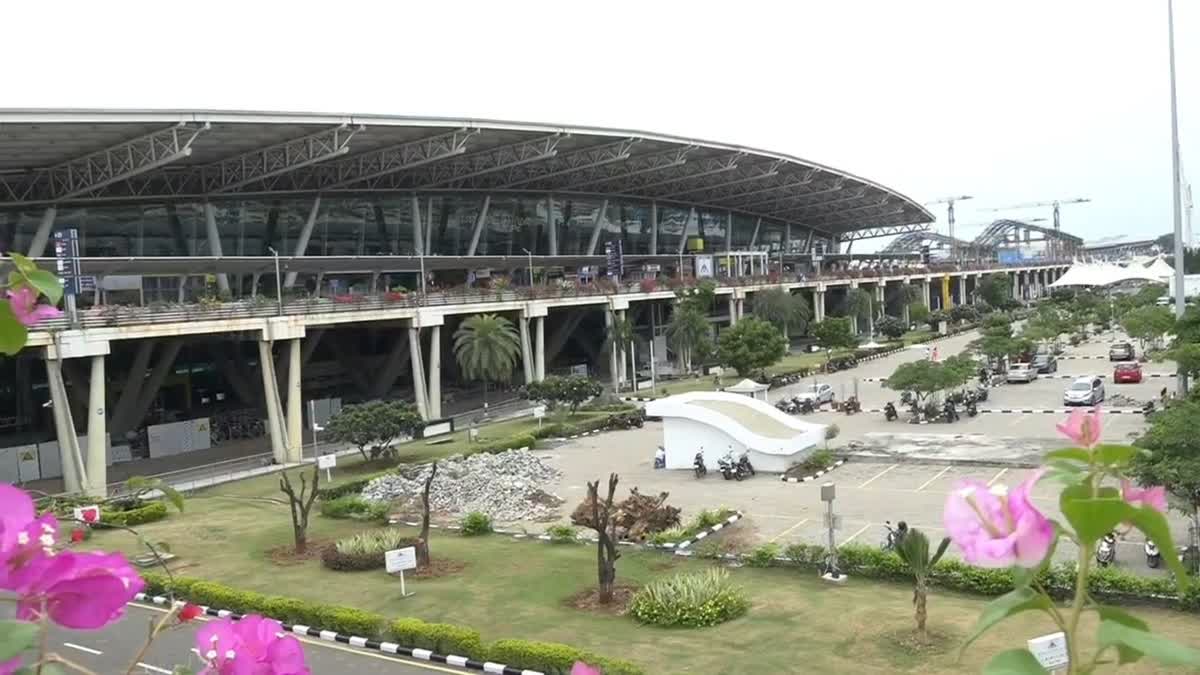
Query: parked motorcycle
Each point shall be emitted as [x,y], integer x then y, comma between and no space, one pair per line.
[889,412]
[1153,557]
[806,406]
[1148,408]
[949,412]
[1106,552]
[891,539]
[971,408]
[733,469]
[786,405]
[981,392]
[698,465]
[906,397]
[744,466]
[852,406]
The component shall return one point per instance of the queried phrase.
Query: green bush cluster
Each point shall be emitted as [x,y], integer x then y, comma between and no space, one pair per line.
[346,506]
[476,523]
[763,555]
[704,519]
[350,487]
[513,442]
[550,658]
[364,551]
[690,599]
[561,534]
[148,512]
[819,460]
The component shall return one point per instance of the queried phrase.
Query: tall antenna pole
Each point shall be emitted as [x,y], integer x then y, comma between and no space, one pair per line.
[1175,183]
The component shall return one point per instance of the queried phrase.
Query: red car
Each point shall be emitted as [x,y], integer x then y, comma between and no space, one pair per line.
[1127,372]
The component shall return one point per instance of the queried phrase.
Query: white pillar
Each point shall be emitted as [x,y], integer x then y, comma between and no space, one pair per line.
[653,228]
[612,352]
[733,315]
[417,367]
[550,225]
[64,427]
[526,348]
[819,305]
[276,426]
[480,221]
[295,404]
[302,240]
[540,349]
[97,433]
[37,247]
[621,314]
[214,243]
[435,373]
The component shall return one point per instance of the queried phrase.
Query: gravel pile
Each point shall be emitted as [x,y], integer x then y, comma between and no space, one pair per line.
[506,486]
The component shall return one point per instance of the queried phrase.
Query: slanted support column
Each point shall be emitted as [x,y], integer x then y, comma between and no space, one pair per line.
[133,386]
[526,348]
[152,384]
[302,240]
[596,227]
[37,247]
[654,227]
[553,231]
[686,226]
[418,371]
[276,425]
[540,345]
[393,364]
[74,472]
[480,221]
[97,433]
[418,229]
[295,404]
[214,243]
[435,373]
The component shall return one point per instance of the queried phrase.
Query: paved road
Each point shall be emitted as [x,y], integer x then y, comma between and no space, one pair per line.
[110,650]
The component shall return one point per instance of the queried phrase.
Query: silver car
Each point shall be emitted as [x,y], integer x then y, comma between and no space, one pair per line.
[817,393]
[1021,372]
[1084,391]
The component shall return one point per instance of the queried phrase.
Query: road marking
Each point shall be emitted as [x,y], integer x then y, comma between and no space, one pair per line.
[88,650]
[930,481]
[154,669]
[995,478]
[776,537]
[851,537]
[872,478]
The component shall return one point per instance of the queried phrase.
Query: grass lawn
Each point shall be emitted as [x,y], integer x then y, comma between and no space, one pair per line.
[519,589]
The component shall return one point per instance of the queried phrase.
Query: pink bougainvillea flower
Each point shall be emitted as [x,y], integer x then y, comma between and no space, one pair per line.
[997,527]
[1154,497]
[23,535]
[11,666]
[581,668]
[252,646]
[1083,427]
[83,591]
[23,302]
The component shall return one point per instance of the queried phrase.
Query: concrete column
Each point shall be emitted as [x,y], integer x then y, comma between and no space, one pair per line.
[819,305]
[960,291]
[654,228]
[733,314]
[37,246]
[97,433]
[133,386]
[526,348]
[214,243]
[539,358]
[480,221]
[550,225]
[435,373]
[152,384]
[295,403]
[418,231]
[622,315]
[64,427]
[596,227]
[289,279]
[418,371]
[612,352]
[905,315]
[1016,289]
[276,426]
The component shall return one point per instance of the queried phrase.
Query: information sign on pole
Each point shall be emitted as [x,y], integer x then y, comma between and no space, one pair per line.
[398,560]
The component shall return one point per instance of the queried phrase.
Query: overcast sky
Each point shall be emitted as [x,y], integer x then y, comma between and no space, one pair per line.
[1010,101]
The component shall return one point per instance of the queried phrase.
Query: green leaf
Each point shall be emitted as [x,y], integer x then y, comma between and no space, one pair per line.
[1093,517]
[47,284]
[1125,653]
[1014,662]
[172,496]
[24,265]
[1114,633]
[16,637]
[1073,454]
[1115,455]
[13,333]
[1018,600]
[1154,525]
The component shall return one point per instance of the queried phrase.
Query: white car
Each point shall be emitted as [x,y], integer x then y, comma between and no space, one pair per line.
[1084,391]
[1021,372]
[817,393]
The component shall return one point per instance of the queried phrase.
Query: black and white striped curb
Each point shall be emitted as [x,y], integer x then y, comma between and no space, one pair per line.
[804,479]
[681,548]
[1083,356]
[635,399]
[360,642]
[1026,411]
[1102,376]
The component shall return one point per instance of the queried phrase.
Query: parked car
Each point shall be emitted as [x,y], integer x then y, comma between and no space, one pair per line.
[1045,362]
[1121,351]
[1084,391]
[1129,371]
[817,393]
[1021,372]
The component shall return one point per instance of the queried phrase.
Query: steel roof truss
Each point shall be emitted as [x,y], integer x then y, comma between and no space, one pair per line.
[579,160]
[453,173]
[275,160]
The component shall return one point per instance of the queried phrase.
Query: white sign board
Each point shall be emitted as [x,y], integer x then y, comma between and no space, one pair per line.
[539,412]
[327,462]
[400,559]
[86,514]
[1050,650]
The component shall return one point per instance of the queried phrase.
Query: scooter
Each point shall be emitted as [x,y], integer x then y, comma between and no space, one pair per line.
[806,406]
[785,405]
[1153,557]
[981,392]
[949,412]
[972,410]
[891,539]
[734,469]
[852,406]
[889,412]
[698,465]
[1106,552]
[744,466]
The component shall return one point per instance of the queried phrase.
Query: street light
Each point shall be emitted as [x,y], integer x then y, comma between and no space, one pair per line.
[1176,180]
[529,256]
[278,282]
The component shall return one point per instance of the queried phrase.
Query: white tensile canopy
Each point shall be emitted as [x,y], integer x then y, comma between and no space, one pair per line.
[1105,274]
[1160,269]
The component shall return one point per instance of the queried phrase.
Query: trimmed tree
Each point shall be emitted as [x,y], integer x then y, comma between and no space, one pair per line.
[918,312]
[423,542]
[860,305]
[1173,459]
[782,309]
[603,520]
[301,504]
[1148,323]
[925,378]
[834,333]
[376,424]
[572,391]
[750,346]
[891,327]
[487,348]
[913,549]
[995,289]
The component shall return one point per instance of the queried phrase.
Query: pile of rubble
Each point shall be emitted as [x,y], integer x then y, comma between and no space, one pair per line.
[1123,401]
[506,486]
[636,518]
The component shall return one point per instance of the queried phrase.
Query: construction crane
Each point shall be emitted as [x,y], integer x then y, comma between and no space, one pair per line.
[949,202]
[1056,204]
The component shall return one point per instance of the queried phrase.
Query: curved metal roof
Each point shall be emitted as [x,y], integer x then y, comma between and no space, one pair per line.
[83,156]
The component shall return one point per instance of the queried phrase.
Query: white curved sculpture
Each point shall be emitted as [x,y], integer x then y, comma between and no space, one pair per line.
[716,421]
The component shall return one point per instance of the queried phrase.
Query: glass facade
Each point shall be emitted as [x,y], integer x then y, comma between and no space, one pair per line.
[385,224]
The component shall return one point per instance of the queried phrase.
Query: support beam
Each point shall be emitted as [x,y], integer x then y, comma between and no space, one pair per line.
[371,167]
[74,472]
[612,352]
[622,315]
[276,424]
[596,227]
[558,339]
[295,403]
[214,244]
[397,358]
[134,380]
[686,226]
[526,348]
[654,228]
[263,164]
[97,433]
[480,222]
[553,231]
[150,387]
[418,231]
[435,372]
[236,377]
[754,237]
[37,247]
[418,372]
[302,241]
[540,347]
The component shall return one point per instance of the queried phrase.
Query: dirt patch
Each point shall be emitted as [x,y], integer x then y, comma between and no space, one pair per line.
[588,600]
[286,555]
[664,564]
[908,646]
[439,567]
[544,498]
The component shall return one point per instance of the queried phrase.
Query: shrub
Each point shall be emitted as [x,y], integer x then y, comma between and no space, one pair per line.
[819,460]
[692,600]
[345,506]
[443,638]
[350,487]
[148,512]
[337,561]
[514,442]
[476,523]
[805,554]
[707,518]
[554,659]
[561,534]
[365,550]
[763,556]
[673,535]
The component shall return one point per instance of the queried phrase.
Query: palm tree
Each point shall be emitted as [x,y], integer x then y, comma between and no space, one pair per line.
[910,295]
[620,334]
[687,330]
[781,309]
[859,304]
[913,549]
[487,348]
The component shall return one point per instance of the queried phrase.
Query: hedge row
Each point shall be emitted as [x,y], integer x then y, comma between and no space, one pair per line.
[147,513]
[952,574]
[550,658]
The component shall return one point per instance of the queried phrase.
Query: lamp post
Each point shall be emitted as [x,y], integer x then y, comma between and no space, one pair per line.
[1180,301]
[529,257]
[278,282]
